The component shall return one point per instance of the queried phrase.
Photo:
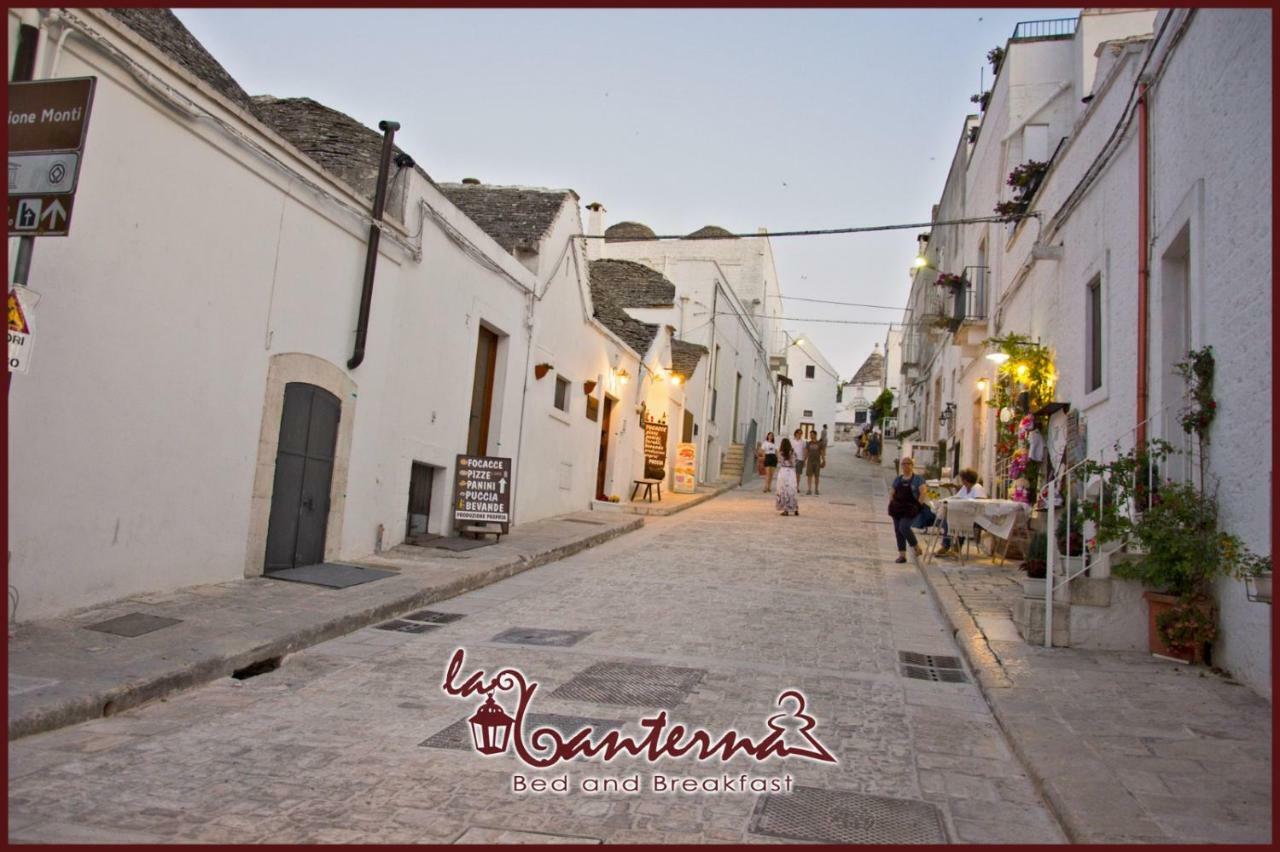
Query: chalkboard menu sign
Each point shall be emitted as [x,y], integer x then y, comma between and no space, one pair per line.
[655,450]
[483,489]
[1075,450]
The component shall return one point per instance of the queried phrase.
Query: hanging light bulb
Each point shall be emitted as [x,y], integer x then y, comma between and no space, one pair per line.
[1022,371]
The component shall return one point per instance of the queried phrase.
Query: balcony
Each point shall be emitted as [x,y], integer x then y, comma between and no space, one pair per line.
[1046,29]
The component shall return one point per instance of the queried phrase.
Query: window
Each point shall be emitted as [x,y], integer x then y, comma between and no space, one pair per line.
[809,371]
[860,417]
[562,393]
[1093,327]
[808,412]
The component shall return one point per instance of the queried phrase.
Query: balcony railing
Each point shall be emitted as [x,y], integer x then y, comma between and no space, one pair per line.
[1050,28]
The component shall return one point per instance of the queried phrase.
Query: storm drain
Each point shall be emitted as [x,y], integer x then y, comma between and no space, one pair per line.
[458,735]
[840,816]
[133,624]
[541,636]
[631,684]
[929,667]
[432,617]
[399,626]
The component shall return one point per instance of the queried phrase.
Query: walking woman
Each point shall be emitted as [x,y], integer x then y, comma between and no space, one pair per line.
[788,499]
[904,505]
[770,450]
[815,452]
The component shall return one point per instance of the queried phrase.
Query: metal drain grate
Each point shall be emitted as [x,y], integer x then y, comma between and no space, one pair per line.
[931,673]
[915,658]
[541,636]
[631,684]
[133,624]
[433,617]
[839,816]
[458,735]
[405,626]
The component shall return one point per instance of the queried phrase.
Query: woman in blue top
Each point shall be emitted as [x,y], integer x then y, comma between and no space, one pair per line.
[904,505]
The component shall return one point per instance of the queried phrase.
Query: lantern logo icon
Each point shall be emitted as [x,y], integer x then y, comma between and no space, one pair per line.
[491,727]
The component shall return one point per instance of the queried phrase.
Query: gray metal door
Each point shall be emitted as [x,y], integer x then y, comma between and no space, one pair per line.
[304,471]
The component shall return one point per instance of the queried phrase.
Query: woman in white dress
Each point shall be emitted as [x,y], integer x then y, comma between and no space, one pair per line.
[787,500]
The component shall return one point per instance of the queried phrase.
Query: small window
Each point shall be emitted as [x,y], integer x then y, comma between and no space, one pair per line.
[808,412]
[1093,326]
[809,371]
[860,417]
[562,393]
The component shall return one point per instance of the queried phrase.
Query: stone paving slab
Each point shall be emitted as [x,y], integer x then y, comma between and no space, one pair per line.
[81,674]
[1126,748]
[327,747]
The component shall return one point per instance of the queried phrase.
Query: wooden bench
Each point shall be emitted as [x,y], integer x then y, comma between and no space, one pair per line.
[648,489]
[477,529]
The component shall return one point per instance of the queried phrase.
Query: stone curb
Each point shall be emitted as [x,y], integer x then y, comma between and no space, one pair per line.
[663,511]
[131,694]
[991,678]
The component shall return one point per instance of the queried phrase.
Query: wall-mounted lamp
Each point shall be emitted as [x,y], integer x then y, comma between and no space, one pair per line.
[982,385]
[675,380]
[920,262]
[623,376]
[948,412]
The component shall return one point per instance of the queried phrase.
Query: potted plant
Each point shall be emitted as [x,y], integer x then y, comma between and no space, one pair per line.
[981,100]
[588,386]
[540,370]
[1185,551]
[996,57]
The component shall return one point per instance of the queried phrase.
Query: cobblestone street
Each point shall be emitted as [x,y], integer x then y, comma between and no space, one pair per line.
[330,746]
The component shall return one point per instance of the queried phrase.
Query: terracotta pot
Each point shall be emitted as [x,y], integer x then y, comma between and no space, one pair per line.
[1158,604]
[541,370]
[588,387]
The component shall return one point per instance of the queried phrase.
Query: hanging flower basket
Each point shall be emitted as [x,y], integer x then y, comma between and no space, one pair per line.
[948,279]
[588,387]
[541,370]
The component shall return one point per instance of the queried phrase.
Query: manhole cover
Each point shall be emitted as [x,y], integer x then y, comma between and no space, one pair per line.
[934,674]
[432,616]
[405,626]
[540,636]
[458,735]
[915,658]
[631,684]
[840,816]
[133,624]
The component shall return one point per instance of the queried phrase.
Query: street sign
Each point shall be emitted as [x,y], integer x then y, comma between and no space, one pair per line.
[483,489]
[48,121]
[21,304]
[686,478]
[40,216]
[655,450]
[43,174]
[49,115]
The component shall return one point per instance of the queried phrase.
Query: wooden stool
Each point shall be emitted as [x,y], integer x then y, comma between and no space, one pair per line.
[648,489]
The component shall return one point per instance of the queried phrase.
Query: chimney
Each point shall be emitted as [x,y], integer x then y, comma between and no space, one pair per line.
[595,228]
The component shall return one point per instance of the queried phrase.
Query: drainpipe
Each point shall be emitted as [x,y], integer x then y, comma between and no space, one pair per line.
[389,129]
[713,364]
[1143,268]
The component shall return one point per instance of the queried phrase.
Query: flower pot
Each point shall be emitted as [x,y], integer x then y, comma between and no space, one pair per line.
[588,387]
[1157,605]
[541,370]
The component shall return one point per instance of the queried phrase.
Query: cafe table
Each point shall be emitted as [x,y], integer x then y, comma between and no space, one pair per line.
[998,517]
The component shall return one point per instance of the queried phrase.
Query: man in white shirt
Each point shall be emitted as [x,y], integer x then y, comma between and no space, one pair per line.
[797,444]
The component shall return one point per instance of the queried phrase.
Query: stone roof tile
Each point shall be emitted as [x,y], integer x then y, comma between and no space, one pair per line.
[165,31]
[515,216]
[633,285]
[685,357]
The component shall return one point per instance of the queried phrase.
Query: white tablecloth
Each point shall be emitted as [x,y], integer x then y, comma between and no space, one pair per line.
[996,516]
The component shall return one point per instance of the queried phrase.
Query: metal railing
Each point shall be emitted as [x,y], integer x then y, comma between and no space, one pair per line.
[1049,28]
[1075,490]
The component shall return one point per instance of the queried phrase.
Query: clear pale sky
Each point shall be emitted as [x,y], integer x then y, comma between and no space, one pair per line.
[787,119]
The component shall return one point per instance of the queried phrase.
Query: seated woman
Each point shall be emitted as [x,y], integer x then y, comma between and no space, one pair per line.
[970,489]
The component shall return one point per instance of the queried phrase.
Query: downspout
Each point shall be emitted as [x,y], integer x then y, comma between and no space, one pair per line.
[1143,267]
[389,129]
[713,366]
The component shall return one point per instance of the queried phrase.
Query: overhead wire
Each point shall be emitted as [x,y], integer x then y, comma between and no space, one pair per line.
[849,304]
[823,232]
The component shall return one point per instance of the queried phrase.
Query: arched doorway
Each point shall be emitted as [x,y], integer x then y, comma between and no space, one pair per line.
[303,477]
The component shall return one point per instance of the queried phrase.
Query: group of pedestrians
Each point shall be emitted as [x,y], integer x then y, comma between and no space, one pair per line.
[804,454]
[868,443]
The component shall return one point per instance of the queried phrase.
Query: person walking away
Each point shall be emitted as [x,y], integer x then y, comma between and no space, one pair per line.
[873,447]
[798,445]
[970,489]
[770,451]
[788,497]
[815,457]
[904,506]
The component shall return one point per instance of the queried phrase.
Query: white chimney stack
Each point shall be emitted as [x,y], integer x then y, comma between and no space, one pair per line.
[595,228]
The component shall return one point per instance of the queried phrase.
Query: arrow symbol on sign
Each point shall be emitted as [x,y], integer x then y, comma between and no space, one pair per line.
[502,485]
[53,212]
